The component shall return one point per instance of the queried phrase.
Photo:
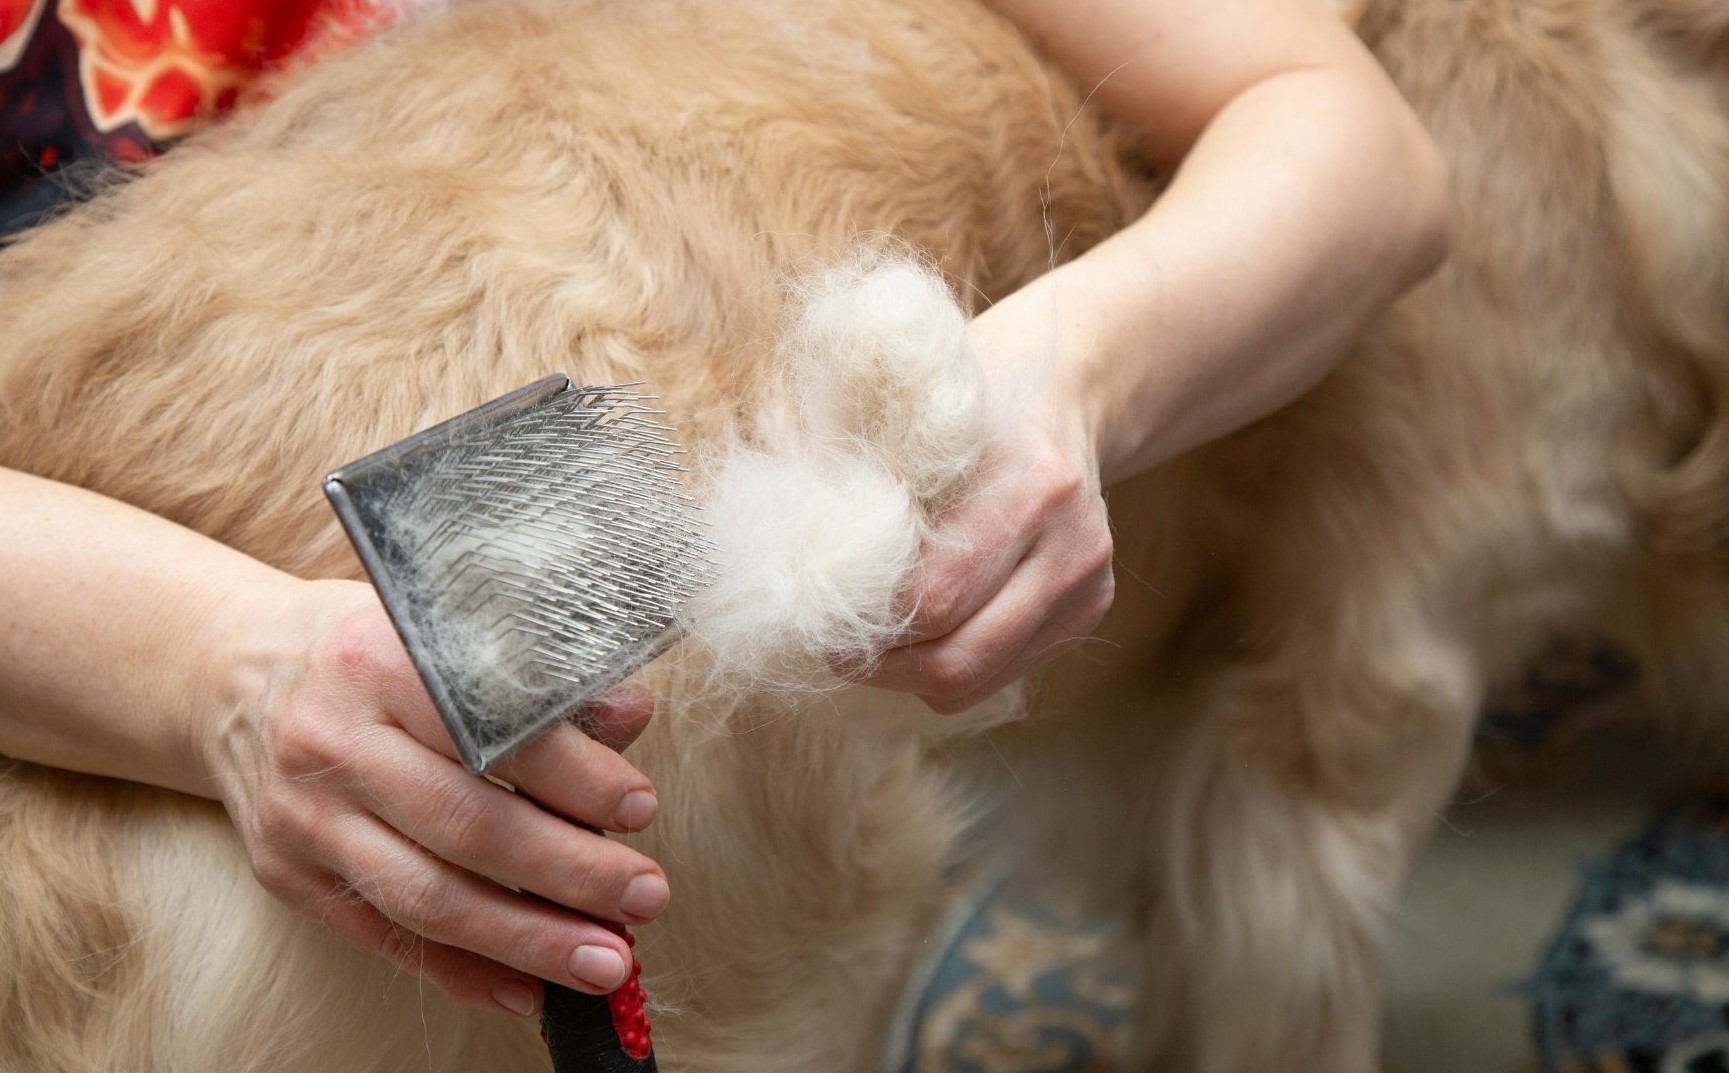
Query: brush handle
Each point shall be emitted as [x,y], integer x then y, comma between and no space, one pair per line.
[588,1033]
[581,1034]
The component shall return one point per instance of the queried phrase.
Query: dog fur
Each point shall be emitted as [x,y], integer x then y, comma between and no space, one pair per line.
[1309,611]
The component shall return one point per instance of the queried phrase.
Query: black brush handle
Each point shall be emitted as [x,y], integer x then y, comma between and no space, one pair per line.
[581,1036]
[581,1030]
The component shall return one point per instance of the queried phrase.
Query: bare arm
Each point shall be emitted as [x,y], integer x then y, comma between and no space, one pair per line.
[1306,197]
[134,648]
[114,653]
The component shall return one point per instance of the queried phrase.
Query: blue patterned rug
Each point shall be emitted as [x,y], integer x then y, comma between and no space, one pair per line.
[1638,980]
[1014,982]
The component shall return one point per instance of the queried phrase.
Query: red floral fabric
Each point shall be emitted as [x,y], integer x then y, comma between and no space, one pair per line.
[120,79]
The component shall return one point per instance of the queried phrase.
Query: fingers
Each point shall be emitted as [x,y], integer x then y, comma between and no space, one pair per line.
[465,934]
[355,811]
[578,777]
[487,830]
[467,977]
[1018,629]
[431,898]
[616,719]
[959,576]
[451,907]
[1017,574]
[990,617]
[564,770]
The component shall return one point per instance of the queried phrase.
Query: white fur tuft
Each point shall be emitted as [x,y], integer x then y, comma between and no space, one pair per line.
[819,519]
[813,551]
[878,353]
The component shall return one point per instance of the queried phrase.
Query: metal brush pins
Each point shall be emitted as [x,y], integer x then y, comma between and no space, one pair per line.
[533,553]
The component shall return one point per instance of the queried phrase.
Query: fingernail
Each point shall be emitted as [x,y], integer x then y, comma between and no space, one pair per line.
[631,697]
[644,897]
[598,967]
[515,996]
[636,811]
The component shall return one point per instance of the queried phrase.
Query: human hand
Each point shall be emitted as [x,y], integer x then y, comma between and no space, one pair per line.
[353,808]
[1020,570]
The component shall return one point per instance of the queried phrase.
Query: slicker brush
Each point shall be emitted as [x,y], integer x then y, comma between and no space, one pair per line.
[533,553]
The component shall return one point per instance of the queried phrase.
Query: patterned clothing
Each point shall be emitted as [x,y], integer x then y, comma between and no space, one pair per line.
[87,82]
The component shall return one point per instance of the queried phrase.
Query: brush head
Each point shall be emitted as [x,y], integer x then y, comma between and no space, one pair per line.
[533,553]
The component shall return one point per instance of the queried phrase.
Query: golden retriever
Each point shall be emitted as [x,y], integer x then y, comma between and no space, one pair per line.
[1309,614]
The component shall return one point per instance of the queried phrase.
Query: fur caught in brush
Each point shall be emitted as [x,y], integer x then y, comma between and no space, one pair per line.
[1309,610]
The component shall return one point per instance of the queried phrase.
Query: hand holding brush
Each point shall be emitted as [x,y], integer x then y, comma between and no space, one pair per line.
[354,808]
[532,554]
[157,655]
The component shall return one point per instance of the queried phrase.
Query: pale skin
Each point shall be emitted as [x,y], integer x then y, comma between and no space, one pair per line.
[154,654]
[1307,198]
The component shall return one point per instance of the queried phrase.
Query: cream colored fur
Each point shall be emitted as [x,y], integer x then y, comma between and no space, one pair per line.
[878,412]
[415,227]
[1309,611]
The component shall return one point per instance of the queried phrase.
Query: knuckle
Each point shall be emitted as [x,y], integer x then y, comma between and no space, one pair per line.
[587,887]
[607,777]
[280,822]
[951,673]
[528,944]
[345,650]
[276,874]
[469,825]
[940,603]
[1062,481]
[1099,600]
[597,881]
[304,743]
[1068,486]
[360,653]
[421,904]
[1098,553]
[341,906]
[359,642]
[947,705]
[402,946]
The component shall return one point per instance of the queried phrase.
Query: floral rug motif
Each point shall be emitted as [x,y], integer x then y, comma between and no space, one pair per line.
[1015,982]
[1638,980]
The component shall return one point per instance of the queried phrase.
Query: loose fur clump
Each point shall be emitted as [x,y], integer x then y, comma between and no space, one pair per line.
[878,354]
[820,513]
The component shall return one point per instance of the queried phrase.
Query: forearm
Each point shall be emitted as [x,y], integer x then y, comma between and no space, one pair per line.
[119,646]
[1305,207]
[135,648]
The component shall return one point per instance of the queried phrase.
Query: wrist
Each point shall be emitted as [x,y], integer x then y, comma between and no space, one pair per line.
[256,641]
[1039,348]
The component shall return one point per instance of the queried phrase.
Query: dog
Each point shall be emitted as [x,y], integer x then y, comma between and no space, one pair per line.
[1310,611]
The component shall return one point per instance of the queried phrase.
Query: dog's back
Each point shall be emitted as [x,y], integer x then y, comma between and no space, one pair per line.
[1533,440]
[507,191]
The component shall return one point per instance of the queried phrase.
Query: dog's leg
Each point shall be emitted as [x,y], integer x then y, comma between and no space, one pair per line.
[1287,810]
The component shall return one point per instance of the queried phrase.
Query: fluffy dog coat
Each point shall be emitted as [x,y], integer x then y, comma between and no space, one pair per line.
[1310,611]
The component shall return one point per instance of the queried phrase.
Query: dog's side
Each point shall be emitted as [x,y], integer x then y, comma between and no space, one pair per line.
[1309,614]
[1528,445]
[506,191]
